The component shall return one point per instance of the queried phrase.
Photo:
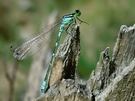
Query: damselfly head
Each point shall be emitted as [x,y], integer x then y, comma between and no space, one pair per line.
[77,13]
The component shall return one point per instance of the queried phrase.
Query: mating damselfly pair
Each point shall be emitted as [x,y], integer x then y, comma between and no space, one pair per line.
[32,45]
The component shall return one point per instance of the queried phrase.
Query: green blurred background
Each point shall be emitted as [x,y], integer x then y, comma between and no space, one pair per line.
[104,17]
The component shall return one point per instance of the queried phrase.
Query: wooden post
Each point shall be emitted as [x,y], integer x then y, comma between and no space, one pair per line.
[113,79]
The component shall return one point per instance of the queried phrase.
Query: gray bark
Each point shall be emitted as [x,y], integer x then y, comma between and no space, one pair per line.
[113,79]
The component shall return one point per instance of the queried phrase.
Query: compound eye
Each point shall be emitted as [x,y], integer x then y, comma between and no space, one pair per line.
[77,11]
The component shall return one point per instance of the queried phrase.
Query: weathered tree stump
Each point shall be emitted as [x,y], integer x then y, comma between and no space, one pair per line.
[113,79]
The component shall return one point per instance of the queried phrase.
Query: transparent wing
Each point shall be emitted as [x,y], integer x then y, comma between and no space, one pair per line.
[31,45]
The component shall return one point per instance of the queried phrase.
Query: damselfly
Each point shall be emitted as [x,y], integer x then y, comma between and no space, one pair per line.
[32,45]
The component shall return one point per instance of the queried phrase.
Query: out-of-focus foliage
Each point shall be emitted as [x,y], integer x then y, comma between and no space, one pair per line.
[23,16]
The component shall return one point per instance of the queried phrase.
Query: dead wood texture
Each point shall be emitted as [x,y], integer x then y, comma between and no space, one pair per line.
[113,79]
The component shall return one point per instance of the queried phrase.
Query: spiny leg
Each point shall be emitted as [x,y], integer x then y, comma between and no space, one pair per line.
[82,21]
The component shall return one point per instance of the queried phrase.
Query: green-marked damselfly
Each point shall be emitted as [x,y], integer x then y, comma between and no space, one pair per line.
[32,45]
